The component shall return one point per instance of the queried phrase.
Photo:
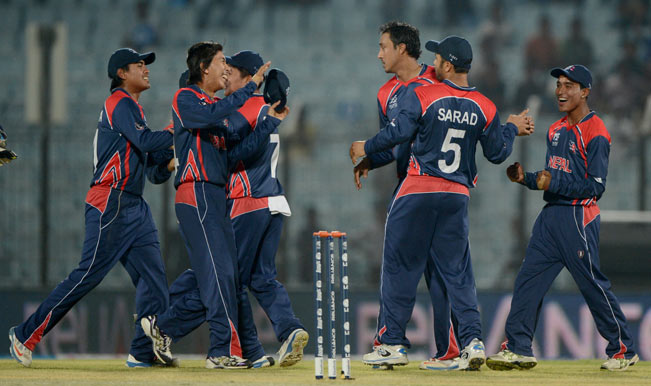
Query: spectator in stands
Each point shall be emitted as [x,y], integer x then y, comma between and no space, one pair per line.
[577,48]
[541,51]
[488,78]
[495,27]
[143,35]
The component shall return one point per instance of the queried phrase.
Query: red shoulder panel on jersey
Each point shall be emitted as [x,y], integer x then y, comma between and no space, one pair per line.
[200,96]
[251,109]
[111,102]
[385,92]
[248,204]
[593,127]
[428,184]
[554,127]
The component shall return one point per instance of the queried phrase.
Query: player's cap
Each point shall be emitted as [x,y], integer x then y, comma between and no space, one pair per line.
[276,88]
[248,60]
[124,56]
[576,73]
[454,49]
[183,79]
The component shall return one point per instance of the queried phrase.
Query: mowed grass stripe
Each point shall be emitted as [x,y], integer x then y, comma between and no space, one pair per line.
[192,372]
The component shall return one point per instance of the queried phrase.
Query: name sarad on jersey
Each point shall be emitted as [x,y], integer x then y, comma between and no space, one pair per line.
[456,116]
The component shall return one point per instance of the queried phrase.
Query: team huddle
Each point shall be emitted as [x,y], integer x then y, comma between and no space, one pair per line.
[230,208]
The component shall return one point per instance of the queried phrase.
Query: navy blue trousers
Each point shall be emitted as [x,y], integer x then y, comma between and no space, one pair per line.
[565,236]
[119,227]
[208,235]
[427,214]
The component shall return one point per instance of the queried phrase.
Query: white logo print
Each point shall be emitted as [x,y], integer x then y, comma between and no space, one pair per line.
[393,103]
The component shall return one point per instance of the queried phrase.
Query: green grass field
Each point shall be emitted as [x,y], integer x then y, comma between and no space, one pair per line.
[192,372]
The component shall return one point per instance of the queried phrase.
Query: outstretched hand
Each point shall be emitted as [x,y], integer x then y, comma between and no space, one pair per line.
[523,122]
[258,78]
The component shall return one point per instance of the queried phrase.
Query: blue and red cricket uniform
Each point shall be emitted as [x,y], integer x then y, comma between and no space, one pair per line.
[566,234]
[119,224]
[429,211]
[202,133]
[389,99]
[257,205]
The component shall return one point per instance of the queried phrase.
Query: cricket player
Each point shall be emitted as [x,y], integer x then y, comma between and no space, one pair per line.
[429,209]
[399,53]
[201,134]
[119,224]
[257,206]
[186,311]
[566,232]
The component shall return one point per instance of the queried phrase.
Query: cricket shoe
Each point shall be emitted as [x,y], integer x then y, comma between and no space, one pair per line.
[133,363]
[21,354]
[232,362]
[440,364]
[387,355]
[472,356]
[264,361]
[619,364]
[291,351]
[160,342]
[508,360]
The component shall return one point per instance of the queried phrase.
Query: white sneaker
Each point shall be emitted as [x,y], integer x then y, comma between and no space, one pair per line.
[508,360]
[619,364]
[291,351]
[386,355]
[160,342]
[232,362]
[133,363]
[21,354]
[264,361]
[472,356]
[438,364]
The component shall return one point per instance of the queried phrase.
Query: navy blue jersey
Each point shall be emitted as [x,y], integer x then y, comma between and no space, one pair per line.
[577,158]
[201,129]
[122,143]
[254,175]
[388,100]
[446,122]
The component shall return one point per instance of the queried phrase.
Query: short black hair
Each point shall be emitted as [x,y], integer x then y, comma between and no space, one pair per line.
[460,70]
[200,53]
[117,81]
[403,33]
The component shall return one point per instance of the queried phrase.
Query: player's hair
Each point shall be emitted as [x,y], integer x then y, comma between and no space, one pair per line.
[200,53]
[403,33]
[459,70]
[117,81]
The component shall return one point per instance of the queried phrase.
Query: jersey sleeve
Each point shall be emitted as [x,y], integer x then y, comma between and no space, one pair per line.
[197,114]
[382,158]
[594,185]
[156,167]
[497,140]
[401,129]
[253,143]
[128,121]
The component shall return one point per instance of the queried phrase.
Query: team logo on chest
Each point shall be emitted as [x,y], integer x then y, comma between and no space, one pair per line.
[557,135]
[572,146]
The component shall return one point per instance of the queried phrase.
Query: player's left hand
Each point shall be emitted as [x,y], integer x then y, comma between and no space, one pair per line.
[280,115]
[543,178]
[361,170]
[357,151]
[258,78]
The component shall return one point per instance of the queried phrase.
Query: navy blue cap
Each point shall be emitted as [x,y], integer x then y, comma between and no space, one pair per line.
[454,49]
[576,73]
[248,60]
[124,56]
[276,88]
[183,79]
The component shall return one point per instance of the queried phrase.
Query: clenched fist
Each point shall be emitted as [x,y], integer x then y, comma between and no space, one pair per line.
[515,173]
